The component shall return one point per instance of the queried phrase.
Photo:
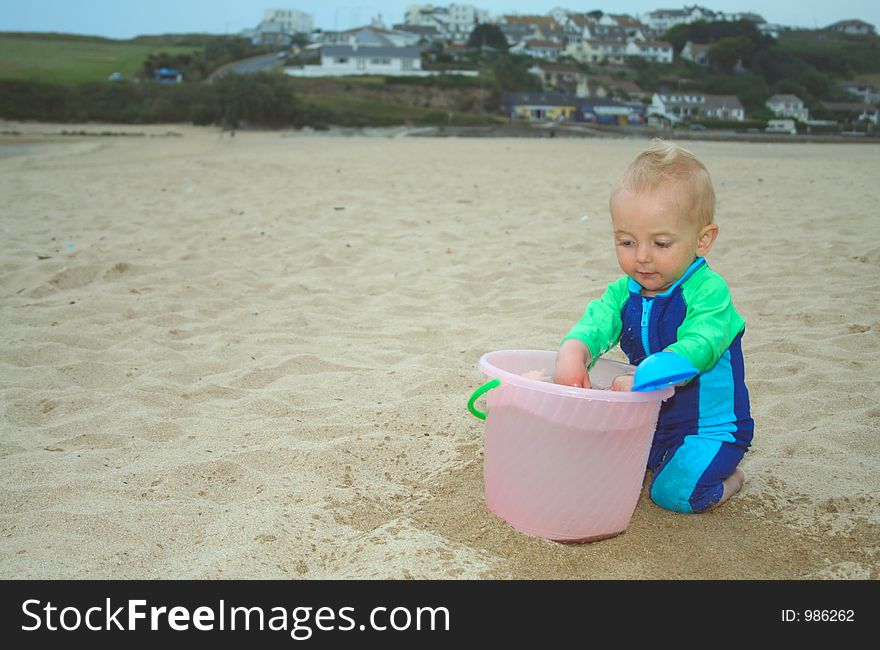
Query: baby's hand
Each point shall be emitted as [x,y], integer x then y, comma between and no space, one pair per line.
[571,371]
[623,383]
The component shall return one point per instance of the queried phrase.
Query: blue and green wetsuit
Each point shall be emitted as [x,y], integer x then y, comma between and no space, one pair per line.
[705,428]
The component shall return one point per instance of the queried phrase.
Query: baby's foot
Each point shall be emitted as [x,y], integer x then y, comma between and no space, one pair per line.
[732,484]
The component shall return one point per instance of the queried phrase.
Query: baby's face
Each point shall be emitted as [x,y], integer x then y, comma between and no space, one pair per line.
[655,238]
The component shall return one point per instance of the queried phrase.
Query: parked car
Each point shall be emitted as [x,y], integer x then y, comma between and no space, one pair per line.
[698,127]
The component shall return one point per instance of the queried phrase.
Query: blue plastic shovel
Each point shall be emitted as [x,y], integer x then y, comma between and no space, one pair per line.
[662,369]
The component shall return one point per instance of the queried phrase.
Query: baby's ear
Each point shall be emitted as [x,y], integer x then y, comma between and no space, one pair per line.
[708,235]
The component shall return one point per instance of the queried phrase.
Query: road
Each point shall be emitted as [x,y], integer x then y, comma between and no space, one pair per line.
[263,63]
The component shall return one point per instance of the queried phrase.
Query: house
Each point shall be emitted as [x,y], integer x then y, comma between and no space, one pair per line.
[278,27]
[854,27]
[593,50]
[788,106]
[540,107]
[658,51]
[268,33]
[696,52]
[632,27]
[771,29]
[870,115]
[561,107]
[540,49]
[723,107]
[291,20]
[691,105]
[850,111]
[455,22]
[342,60]
[607,88]
[557,76]
[866,91]
[608,111]
[427,33]
[517,32]
[661,20]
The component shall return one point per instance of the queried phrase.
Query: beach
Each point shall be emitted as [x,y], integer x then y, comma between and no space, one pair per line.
[250,356]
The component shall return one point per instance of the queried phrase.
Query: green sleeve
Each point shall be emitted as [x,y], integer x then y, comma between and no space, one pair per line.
[600,326]
[710,323]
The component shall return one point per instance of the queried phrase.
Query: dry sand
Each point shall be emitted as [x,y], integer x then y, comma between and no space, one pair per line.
[249,357]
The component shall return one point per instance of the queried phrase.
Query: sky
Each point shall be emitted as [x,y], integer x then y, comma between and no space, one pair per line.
[124,19]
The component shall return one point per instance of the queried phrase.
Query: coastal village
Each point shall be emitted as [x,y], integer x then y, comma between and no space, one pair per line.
[583,61]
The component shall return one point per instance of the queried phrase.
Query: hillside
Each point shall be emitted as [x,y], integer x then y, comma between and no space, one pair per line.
[68,58]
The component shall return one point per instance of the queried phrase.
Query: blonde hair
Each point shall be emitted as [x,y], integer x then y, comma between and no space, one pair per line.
[665,162]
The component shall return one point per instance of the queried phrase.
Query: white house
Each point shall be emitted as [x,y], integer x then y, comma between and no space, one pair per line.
[344,60]
[866,91]
[788,106]
[855,27]
[293,21]
[661,20]
[690,105]
[696,52]
[540,49]
[455,22]
[659,51]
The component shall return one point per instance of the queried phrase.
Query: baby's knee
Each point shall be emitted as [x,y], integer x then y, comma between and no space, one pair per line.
[680,493]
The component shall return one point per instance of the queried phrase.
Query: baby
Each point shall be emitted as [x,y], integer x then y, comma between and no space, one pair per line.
[671,302]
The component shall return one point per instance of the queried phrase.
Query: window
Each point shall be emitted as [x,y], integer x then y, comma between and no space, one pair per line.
[340,59]
[380,61]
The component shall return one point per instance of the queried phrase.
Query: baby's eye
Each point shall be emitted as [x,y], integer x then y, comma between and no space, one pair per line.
[624,242]
[664,244]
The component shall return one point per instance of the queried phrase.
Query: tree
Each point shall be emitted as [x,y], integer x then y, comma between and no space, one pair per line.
[728,52]
[489,35]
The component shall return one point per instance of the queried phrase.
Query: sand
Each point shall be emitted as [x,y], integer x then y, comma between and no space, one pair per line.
[249,357]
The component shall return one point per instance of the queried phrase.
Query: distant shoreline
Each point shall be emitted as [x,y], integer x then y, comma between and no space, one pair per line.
[20,133]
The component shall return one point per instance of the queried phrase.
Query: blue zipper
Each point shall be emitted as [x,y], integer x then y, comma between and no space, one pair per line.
[646,318]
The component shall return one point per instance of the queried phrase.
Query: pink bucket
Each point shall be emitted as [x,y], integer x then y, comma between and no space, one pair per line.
[563,463]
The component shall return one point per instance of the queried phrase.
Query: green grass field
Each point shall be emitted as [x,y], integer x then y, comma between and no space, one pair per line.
[63,58]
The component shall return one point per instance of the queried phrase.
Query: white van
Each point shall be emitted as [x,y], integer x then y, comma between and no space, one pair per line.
[781,126]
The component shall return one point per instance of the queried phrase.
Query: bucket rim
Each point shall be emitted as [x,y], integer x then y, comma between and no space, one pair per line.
[489,369]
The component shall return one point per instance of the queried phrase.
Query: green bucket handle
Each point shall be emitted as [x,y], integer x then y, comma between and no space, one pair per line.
[485,388]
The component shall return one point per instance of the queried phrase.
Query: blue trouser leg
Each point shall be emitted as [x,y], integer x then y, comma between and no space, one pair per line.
[690,475]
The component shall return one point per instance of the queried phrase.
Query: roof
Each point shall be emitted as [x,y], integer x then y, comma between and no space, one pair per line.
[429,30]
[365,50]
[698,47]
[846,107]
[582,20]
[723,101]
[625,21]
[855,22]
[546,21]
[662,44]
[630,87]
[788,99]
[540,43]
